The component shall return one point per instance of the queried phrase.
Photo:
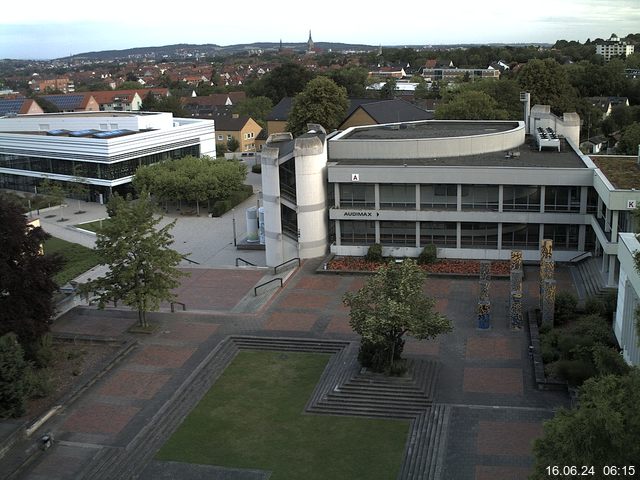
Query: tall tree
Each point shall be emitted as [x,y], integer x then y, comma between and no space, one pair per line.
[286,80]
[601,432]
[257,108]
[629,142]
[322,102]
[142,266]
[548,83]
[13,374]
[388,90]
[390,305]
[470,105]
[26,277]
[353,79]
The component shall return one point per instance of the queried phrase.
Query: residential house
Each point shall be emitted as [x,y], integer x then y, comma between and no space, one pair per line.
[19,106]
[73,102]
[607,104]
[243,128]
[613,47]
[118,100]
[64,84]
[209,105]
[372,112]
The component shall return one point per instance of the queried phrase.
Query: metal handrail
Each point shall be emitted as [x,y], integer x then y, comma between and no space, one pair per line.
[255,290]
[245,261]
[577,257]
[275,269]
[184,257]
[184,307]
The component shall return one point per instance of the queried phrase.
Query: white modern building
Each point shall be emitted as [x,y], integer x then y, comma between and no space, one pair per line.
[613,47]
[104,148]
[625,323]
[475,189]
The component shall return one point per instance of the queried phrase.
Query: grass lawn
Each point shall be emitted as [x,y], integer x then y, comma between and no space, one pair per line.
[253,418]
[92,226]
[78,259]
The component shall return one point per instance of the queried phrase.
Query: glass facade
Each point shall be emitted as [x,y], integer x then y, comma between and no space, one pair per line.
[357,195]
[480,197]
[479,235]
[525,236]
[439,197]
[518,198]
[398,196]
[441,234]
[562,199]
[565,237]
[97,170]
[357,233]
[398,233]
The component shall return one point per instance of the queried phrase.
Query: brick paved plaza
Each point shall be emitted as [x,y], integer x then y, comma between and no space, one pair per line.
[486,376]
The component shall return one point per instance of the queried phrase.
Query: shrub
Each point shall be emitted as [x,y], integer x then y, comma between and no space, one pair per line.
[574,372]
[377,357]
[220,207]
[38,383]
[13,370]
[374,254]
[257,168]
[608,361]
[565,307]
[595,305]
[43,351]
[428,255]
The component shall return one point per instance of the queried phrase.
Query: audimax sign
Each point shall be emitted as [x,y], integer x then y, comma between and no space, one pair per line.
[361,214]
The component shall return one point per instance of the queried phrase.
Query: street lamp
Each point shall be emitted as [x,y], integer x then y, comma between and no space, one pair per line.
[233,219]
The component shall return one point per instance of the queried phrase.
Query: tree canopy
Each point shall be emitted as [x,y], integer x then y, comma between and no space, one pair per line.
[257,108]
[630,140]
[391,304]
[548,83]
[26,277]
[286,80]
[353,79]
[191,179]
[470,105]
[142,268]
[601,431]
[322,102]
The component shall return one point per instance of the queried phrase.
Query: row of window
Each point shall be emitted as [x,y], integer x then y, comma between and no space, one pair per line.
[444,234]
[515,198]
[103,171]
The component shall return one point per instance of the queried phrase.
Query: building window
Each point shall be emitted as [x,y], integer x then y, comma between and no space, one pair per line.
[562,199]
[357,195]
[518,198]
[353,232]
[220,137]
[525,236]
[439,197]
[401,196]
[479,235]
[565,237]
[441,234]
[592,200]
[229,137]
[398,233]
[480,197]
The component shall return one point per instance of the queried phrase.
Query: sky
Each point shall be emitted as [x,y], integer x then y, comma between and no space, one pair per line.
[40,29]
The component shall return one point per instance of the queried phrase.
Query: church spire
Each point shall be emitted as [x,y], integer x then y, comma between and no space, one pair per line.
[310,47]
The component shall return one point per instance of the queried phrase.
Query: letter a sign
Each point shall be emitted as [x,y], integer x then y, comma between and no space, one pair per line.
[355,177]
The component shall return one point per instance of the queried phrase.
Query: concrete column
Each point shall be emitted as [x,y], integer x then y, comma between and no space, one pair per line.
[500,200]
[600,204]
[376,193]
[500,233]
[582,236]
[605,262]
[417,234]
[336,194]
[541,234]
[584,192]
[614,226]
[607,221]
[338,232]
[543,191]
[418,197]
[611,278]
[311,196]
[274,247]
[459,199]
[377,231]
[458,235]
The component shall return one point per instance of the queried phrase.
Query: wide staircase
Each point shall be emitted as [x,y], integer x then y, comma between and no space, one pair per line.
[589,279]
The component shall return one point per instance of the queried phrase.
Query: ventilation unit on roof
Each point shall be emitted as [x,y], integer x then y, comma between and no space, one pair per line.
[547,137]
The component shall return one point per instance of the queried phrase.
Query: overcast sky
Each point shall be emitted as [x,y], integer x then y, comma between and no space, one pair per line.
[39,29]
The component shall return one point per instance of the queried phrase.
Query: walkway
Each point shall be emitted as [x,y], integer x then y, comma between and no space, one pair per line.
[486,385]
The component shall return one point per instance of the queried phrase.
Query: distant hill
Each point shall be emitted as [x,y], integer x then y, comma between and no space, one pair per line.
[210,49]
[186,50]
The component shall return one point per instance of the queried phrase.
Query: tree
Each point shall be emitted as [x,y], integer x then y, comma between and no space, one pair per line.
[630,140]
[322,102]
[390,305]
[470,105]
[13,374]
[142,268]
[257,108]
[286,80]
[78,186]
[388,90]
[601,431]
[233,144]
[353,79]
[26,277]
[548,83]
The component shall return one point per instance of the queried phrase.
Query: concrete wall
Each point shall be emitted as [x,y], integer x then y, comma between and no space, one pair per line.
[274,247]
[628,293]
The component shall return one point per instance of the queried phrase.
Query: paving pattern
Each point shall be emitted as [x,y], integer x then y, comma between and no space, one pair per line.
[482,414]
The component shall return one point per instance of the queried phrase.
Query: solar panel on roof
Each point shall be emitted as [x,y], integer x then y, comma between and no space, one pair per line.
[83,133]
[113,133]
[10,106]
[58,132]
[65,102]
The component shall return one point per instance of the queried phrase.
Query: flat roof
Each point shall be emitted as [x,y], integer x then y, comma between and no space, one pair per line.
[429,129]
[622,171]
[528,157]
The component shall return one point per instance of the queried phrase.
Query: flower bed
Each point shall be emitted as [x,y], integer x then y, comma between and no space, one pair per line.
[444,266]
